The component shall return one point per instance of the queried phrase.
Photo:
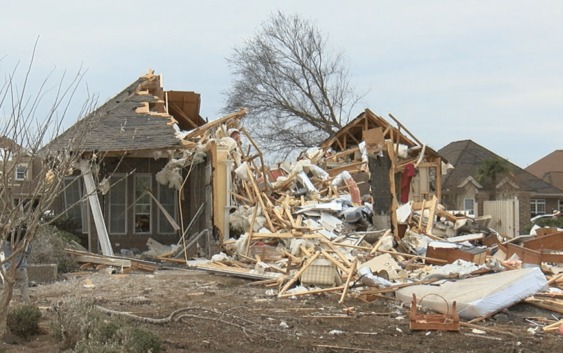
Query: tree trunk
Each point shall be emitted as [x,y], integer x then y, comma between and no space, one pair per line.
[5,299]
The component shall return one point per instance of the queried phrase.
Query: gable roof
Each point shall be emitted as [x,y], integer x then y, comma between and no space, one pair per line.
[466,156]
[553,162]
[352,133]
[134,120]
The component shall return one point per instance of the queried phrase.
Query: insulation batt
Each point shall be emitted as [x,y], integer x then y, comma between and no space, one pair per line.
[242,173]
[170,177]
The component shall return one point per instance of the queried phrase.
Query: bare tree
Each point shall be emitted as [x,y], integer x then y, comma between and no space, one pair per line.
[295,87]
[30,181]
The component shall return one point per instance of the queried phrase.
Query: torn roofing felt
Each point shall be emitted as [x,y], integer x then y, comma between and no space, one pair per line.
[135,119]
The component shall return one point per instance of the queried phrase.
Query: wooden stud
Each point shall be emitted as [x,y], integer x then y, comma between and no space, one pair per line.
[350,275]
[299,273]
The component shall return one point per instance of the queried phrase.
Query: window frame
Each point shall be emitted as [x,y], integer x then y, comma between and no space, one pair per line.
[534,203]
[120,178]
[82,206]
[17,172]
[142,175]
[472,210]
[161,218]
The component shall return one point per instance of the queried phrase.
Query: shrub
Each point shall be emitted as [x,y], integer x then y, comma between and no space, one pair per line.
[48,248]
[544,222]
[23,320]
[141,340]
[80,326]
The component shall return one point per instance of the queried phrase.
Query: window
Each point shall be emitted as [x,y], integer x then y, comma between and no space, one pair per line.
[74,208]
[142,207]
[167,198]
[469,205]
[118,205]
[21,171]
[560,205]
[537,206]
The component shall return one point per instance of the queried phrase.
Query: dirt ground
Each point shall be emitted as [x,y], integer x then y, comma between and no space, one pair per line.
[228,314]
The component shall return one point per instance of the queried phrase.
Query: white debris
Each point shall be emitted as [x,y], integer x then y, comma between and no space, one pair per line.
[336,332]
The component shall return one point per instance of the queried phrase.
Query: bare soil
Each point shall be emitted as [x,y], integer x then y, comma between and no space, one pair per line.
[231,315]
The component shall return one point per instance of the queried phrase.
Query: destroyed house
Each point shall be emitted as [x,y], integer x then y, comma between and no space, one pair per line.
[19,170]
[518,195]
[401,168]
[113,196]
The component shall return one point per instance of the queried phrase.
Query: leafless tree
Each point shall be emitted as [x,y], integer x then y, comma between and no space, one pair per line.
[294,85]
[30,181]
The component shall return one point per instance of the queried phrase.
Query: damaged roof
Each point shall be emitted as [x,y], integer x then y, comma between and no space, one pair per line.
[352,133]
[467,155]
[135,119]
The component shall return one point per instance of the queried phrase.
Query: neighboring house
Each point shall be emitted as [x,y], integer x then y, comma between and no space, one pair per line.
[126,142]
[18,171]
[528,195]
[427,181]
[400,169]
[550,169]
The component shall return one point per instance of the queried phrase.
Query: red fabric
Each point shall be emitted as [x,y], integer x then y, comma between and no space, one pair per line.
[408,173]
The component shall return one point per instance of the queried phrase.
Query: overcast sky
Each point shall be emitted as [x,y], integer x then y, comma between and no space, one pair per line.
[490,71]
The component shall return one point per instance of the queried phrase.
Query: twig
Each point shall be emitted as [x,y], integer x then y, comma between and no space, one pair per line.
[349,348]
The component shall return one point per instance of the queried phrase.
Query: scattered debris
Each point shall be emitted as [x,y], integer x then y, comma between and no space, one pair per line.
[358,216]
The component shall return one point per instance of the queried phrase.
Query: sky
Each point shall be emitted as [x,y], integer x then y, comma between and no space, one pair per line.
[490,71]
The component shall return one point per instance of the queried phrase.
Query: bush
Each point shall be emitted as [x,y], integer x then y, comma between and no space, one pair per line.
[141,340]
[23,320]
[544,222]
[80,326]
[48,248]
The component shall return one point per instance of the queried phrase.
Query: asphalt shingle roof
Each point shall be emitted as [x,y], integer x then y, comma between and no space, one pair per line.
[115,126]
[466,156]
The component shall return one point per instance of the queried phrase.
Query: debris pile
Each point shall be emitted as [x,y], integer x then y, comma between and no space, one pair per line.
[359,216]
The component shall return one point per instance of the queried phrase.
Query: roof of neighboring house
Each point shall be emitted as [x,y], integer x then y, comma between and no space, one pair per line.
[135,119]
[466,156]
[553,162]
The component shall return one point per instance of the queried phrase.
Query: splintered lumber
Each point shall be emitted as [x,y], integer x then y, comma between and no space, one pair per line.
[374,249]
[412,256]
[88,257]
[350,274]
[197,132]
[336,263]
[553,327]
[392,288]
[352,167]
[314,291]
[553,305]
[250,229]
[338,253]
[299,273]
[237,272]
[103,261]
[285,236]
[259,197]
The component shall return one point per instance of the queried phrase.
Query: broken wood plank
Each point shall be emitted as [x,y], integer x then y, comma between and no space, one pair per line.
[350,274]
[296,275]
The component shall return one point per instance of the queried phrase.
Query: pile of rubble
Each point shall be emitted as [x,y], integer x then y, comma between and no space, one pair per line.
[315,225]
